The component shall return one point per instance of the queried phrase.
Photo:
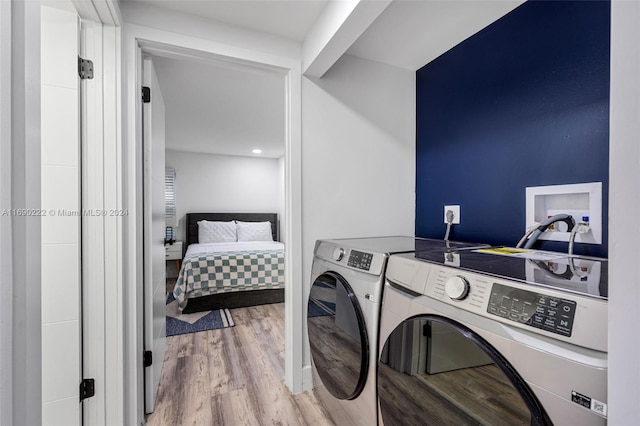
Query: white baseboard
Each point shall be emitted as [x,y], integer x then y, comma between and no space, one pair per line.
[307,378]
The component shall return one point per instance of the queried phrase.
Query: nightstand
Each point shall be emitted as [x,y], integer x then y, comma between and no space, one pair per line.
[174,252]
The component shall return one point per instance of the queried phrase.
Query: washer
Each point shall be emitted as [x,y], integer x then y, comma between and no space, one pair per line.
[343,314]
[493,336]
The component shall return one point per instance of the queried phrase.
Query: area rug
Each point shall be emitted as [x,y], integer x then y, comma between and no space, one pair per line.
[178,323]
[316,310]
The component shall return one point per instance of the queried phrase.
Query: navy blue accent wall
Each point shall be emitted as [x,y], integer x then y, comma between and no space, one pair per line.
[524,102]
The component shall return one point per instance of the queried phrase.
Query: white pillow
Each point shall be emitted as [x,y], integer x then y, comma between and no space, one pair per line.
[216,232]
[254,231]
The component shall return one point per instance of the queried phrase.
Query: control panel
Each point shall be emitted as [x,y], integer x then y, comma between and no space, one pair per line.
[360,260]
[537,310]
[370,262]
[575,318]
[549,313]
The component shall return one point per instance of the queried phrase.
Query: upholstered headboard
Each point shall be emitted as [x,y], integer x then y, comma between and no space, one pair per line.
[193,218]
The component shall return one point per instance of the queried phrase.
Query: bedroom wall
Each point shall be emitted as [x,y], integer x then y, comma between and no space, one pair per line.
[220,183]
[358,155]
[524,102]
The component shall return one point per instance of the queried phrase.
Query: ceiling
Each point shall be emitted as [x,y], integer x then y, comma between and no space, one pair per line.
[222,108]
[411,33]
[216,109]
[289,19]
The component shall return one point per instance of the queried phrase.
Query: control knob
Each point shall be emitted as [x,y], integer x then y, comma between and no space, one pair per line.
[457,287]
[338,254]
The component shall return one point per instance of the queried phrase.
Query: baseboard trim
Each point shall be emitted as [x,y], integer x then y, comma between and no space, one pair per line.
[307,378]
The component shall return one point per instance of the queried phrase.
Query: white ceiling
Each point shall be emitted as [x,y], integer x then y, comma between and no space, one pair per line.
[221,108]
[213,108]
[412,33]
[290,19]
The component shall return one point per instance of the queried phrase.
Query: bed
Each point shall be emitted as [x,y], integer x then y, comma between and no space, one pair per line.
[222,272]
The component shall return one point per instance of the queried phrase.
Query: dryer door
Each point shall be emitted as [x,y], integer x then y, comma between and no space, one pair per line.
[434,370]
[337,336]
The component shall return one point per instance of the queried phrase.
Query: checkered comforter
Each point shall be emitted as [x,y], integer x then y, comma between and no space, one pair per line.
[202,274]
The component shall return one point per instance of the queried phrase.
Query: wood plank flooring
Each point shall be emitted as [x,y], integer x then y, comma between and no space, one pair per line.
[233,376]
[337,354]
[483,393]
[469,396]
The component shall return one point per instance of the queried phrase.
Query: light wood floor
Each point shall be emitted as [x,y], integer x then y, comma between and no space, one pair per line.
[480,395]
[233,376]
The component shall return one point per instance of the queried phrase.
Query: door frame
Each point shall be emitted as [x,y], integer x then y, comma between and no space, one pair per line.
[139,39]
[102,275]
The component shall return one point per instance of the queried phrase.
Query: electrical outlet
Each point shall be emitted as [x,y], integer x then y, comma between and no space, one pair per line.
[456,214]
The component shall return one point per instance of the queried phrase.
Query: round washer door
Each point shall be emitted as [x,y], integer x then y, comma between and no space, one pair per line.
[337,336]
[433,370]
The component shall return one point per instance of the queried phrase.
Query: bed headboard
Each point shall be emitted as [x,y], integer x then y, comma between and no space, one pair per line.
[193,218]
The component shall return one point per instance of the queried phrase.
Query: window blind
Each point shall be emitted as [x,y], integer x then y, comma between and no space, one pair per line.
[170,193]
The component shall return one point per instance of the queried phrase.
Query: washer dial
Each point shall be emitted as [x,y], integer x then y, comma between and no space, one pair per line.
[338,253]
[457,287]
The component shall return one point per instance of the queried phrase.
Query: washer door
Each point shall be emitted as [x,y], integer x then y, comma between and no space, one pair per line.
[337,336]
[433,370]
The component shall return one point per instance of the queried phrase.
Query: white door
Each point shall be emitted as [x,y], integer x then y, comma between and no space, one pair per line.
[60,217]
[154,233]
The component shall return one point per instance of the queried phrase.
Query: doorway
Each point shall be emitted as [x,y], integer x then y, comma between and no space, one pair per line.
[155,42]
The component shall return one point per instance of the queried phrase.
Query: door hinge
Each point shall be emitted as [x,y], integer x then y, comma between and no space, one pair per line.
[85,68]
[146,95]
[87,389]
[147,358]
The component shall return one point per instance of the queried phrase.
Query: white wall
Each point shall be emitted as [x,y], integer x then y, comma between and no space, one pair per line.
[20,316]
[218,183]
[358,154]
[624,209]
[61,363]
[6,278]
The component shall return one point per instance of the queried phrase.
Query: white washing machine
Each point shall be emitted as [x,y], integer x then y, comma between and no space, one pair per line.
[493,336]
[343,314]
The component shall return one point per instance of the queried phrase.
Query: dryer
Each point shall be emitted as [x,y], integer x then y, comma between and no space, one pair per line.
[343,314]
[494,336]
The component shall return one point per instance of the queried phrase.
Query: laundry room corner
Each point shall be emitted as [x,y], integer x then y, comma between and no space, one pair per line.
[358,163]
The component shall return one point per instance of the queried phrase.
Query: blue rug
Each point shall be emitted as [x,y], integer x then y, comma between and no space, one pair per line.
[322,302]
[178,323]
[315,309]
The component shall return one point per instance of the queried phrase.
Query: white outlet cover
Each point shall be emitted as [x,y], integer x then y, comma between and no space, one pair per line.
[456,214]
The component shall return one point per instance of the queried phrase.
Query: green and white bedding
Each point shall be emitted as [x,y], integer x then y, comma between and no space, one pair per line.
[229,267]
